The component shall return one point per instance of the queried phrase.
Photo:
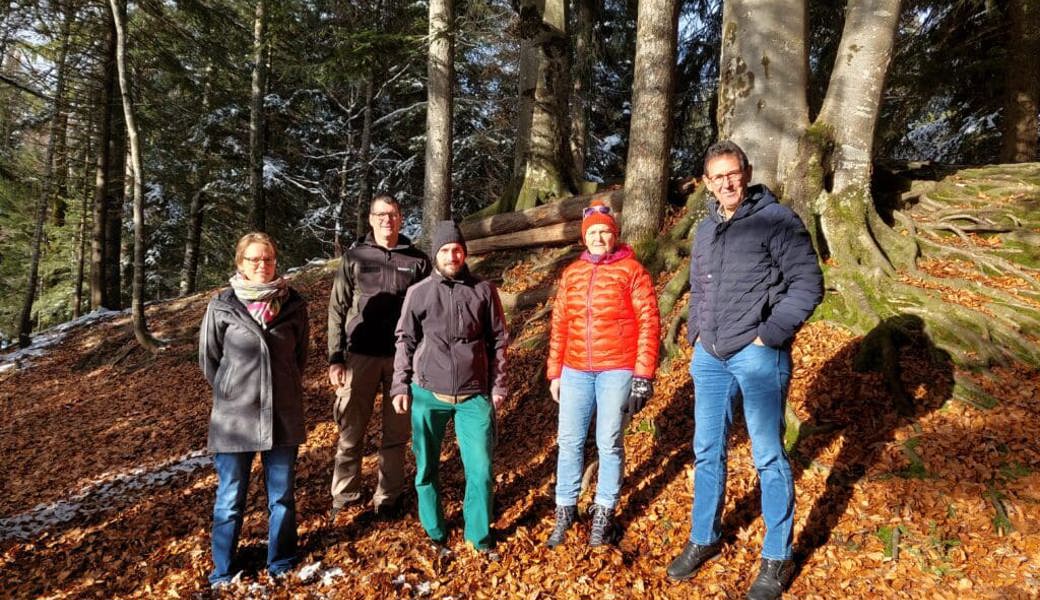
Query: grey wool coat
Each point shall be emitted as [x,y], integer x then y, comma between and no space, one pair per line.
[256,375]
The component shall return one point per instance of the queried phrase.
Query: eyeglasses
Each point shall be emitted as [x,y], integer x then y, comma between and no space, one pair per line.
[591,210]
[389,216]
[256,260]
[732,177]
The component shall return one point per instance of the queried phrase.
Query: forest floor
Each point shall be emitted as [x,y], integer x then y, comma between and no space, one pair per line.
[107,492]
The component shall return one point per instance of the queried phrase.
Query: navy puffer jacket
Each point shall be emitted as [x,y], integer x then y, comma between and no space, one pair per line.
[754,275]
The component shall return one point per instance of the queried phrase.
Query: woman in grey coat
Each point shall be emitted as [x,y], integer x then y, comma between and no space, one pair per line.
[252,350]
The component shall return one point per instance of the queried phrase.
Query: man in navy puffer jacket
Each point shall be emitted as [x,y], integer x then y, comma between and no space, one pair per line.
[754,279]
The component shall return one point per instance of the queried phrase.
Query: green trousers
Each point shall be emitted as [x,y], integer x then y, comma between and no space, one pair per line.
[474,423]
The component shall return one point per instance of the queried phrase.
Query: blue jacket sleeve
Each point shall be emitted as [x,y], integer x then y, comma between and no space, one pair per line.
[802,290]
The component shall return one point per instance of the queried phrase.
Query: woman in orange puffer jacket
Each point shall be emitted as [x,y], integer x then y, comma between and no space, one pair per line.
[602,357]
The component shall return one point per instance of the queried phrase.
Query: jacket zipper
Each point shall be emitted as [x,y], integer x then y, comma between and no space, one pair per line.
[451,339]
[588,315]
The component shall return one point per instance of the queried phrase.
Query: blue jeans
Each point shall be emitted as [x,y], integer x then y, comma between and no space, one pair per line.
[229,508]
[581,394]
[760,374]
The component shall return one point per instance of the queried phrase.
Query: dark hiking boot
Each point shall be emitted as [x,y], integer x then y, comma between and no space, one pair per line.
[602,526]
[773,577]
[566,516]
[692,558]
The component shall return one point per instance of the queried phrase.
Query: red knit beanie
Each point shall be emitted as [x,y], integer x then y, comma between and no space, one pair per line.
[598,213]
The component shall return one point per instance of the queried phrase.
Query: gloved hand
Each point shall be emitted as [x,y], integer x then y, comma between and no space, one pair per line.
[642,390]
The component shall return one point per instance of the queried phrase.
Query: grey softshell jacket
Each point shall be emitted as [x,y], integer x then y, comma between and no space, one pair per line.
[256,375]
[451,338]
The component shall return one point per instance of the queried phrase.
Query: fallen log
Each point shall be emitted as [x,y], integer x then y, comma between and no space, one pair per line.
[564,211]
[550,235]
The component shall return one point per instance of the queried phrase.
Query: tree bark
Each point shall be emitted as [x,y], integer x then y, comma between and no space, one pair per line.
[763,81]
[540,163]
[105,281]
[258,89]
[193,241]
[439,110]
[853,101]
[144,337]
[569,209]
[650,133]
[365,155]
[1022,94]
[584,15]
[81,245]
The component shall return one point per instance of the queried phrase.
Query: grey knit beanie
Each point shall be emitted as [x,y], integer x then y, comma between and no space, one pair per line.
[446,232]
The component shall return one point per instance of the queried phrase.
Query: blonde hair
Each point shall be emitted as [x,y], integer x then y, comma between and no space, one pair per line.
[253,238]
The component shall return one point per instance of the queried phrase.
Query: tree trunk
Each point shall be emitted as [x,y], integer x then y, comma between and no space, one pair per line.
[439,110]
[256,118]
[81,245]
[193,241]
[365,155]
[650,133]
[763,81]
[1022,94]
[584,15]
[144,337]
[540,164]
[853,101]
[105,288]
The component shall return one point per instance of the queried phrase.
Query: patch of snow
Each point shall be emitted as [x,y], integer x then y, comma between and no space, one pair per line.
[315,572]
[43,340]
[104,493]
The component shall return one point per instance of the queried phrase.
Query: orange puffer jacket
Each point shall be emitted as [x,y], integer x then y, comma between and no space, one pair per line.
[605,317]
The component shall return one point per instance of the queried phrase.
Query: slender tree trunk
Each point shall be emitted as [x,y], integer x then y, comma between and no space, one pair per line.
[365,193]
[81,245]
[144,337]
[584,15]
[25,321]
[439,111]
[1022,96]
[256,118]
[650,134]
[193,241]
[762,82]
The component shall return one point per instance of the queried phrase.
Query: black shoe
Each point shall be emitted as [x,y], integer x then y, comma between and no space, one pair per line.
[773,577]
[692,557]
[565,517]
[392,510]
[602,526]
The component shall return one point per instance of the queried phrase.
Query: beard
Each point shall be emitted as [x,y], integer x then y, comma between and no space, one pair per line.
[450,270]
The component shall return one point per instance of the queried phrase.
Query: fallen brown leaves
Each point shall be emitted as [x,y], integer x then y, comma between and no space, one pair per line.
[942,505]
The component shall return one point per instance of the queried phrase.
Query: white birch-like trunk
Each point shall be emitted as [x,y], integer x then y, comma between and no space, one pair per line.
[144,337]
[853,101]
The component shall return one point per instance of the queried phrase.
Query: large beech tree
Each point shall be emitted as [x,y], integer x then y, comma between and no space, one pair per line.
[823,169]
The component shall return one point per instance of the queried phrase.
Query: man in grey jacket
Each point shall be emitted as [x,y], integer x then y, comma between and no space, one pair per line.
[450,364]
[363,310]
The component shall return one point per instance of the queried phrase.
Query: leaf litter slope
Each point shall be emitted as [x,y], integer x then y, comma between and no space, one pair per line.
[940,504]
